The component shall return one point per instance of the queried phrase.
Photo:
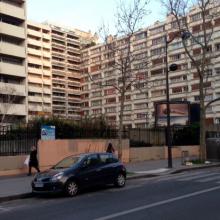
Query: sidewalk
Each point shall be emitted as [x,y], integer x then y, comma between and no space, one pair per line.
[17,187]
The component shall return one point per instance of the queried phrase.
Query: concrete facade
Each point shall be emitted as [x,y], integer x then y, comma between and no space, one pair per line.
[13,93]
[39,70]
[148,46]
[66,75]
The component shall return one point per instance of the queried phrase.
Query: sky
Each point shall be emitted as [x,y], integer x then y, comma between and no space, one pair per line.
[86,15]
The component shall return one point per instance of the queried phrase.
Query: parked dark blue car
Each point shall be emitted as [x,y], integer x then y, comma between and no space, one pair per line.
[77,172]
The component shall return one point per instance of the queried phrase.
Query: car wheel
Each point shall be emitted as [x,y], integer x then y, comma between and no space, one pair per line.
[72,188]
[120,180]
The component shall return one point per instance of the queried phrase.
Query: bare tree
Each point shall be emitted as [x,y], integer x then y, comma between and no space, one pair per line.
[7,98]
[196,39]
[127,64]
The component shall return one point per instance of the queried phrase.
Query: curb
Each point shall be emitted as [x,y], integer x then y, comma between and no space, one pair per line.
[194,168]
[16,197]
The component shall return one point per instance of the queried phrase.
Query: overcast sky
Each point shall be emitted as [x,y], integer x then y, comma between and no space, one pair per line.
[83,14]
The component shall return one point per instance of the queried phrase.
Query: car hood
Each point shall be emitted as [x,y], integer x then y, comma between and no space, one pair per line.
[48,174]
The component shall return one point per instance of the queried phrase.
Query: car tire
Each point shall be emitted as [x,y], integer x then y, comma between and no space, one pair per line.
[71,188]
[120,180]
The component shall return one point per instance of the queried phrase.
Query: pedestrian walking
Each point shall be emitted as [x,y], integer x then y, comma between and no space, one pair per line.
[33,161]
[110,148]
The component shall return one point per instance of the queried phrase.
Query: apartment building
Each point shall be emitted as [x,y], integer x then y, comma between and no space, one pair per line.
[39,70]
[13,61]
[149,45]
[66,87]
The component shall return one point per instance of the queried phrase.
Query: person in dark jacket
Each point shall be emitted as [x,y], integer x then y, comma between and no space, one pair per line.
[110,148]
[33,162]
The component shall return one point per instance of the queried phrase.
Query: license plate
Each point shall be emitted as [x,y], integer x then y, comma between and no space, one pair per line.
[39,184]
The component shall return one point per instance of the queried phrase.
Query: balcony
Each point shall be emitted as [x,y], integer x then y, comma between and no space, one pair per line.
[46,45]
[35,108]
[35,70]
[12,69]
[34,89]
[14,109]
[13,89]
[35,61]
[12,10]
[47,63]
[13,50]
[47,81]
[55,63]
[34,33]
[47,100]
[12,30]
[46,54]
[34,52]
[37,99]
[47,72]
[46,36]
[34,42]
[47,91]
[34,80]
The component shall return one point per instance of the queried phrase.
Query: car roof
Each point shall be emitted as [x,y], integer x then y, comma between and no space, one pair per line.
[88,154]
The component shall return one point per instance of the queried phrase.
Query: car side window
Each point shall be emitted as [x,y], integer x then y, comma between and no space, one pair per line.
[108,158]
[105,158]
[92,160]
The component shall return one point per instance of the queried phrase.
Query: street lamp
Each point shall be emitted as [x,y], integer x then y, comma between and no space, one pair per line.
[173,67]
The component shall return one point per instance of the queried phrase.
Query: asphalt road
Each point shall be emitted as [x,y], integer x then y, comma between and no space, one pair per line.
[191,195]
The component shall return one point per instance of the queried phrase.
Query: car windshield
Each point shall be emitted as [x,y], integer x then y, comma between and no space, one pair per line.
[67,162]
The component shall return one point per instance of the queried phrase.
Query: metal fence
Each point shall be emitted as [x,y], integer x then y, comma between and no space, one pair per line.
[15,141]
[18,141]
[147,137]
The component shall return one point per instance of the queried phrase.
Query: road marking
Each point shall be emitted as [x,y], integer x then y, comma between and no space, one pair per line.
[208,179]
[118,214]
[196,177]
[161,170]
[2,209]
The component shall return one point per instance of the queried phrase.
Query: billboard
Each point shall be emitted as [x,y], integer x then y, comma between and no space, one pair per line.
[47,132]
[179,113]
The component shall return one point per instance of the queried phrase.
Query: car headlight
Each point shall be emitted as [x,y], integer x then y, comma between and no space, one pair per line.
[57,177]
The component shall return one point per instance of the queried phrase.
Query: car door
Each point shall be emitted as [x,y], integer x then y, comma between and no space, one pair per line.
[108,168]
[89,174]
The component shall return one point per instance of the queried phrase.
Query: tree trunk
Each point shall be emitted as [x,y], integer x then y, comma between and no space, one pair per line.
[202,152]
[120,131]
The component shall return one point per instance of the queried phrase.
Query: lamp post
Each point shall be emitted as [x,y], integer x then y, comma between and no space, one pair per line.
[173,67]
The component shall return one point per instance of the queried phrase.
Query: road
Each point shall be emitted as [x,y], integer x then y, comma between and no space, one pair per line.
[191,195]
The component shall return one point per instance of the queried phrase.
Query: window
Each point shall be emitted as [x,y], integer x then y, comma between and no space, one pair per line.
[141,96]
[196,17]
[127,117]
[157,51]
[140,46]
[108,158]
[110,100]
[159,40]
[141,36]
[92,160]
[175,57]
[96,103]
[217,47]
[176,45]
[141,115]
[127,107]
[157,30]
[97,111]
[217,71]
[110,110]
[140,106]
